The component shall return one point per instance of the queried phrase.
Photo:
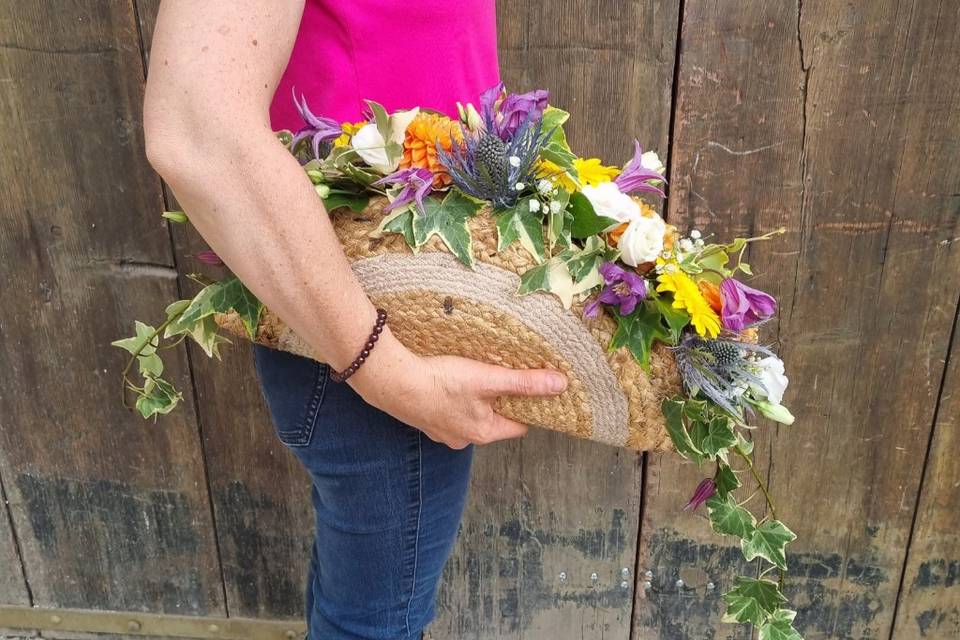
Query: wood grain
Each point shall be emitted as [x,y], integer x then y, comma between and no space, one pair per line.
[261,495]
[111,512]
[833,120]
[13,585]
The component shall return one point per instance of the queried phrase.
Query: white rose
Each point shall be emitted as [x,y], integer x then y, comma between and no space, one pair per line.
[643,240]
[650,160]
[371,147]
[771,373]
[609,202]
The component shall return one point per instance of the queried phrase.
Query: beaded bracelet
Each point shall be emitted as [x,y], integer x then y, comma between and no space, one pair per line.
[367,348]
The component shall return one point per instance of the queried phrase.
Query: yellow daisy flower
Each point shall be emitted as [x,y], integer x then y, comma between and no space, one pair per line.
[551,171]
[687,296]
[348,129]
[593,173]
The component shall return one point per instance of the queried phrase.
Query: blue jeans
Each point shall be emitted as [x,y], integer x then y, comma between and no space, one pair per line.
[387,503]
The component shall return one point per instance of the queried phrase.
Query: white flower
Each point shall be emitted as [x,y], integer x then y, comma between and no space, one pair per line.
[774,411]
[643,240]
[695,234]
[514,161]
[609,202]
[372,148]
[771,373]
[544,186]
[686,245]
[534,205]
[555,206]
[519,186]
[650,160]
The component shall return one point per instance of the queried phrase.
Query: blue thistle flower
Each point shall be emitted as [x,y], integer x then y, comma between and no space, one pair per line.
[488,168]
[719,370]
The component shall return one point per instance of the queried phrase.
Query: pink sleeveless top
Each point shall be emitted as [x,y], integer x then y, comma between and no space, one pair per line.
[401,53]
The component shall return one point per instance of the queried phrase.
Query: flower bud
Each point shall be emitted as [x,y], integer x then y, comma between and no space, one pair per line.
[175,216]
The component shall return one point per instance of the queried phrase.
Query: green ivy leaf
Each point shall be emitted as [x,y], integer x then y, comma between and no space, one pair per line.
[559,223]
[159,398]
[569,273]
[556,149]
[400,221]
[138,343]
[222,297]
[337,199]
[725,479]
[769,542]
[586,222]
[780,626]
[717,437]
[729,518]
[150,365]
[519,223]
[676,319]
[752,600]
[447,219]
[673,410]
[638,331]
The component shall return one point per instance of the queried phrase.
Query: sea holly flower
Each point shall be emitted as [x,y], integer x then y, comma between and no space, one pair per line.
[704,491]
[318,129]
[744,306]
[415,183]
[621,287]
[637,176]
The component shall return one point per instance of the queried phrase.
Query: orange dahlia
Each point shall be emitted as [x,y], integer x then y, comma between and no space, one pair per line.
[420,144]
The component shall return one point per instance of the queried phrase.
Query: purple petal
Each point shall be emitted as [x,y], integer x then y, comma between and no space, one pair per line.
[592,308]
[701,494]
[611,272]
[628,304]
[636,283]
[744,306]
[635,177]
[209,257]
[608,296]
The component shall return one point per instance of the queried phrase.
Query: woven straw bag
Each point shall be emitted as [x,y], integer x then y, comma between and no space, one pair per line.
[438,306]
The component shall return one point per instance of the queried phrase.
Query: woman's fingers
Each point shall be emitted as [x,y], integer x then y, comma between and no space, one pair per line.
[502,381]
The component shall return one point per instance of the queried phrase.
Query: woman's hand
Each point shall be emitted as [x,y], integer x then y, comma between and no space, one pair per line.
[449,398]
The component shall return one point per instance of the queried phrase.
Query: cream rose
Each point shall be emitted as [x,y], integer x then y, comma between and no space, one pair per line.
[643,240]
[609,202]
[372,148]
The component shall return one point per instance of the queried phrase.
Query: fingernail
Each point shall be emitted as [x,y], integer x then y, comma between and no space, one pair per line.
[558,382]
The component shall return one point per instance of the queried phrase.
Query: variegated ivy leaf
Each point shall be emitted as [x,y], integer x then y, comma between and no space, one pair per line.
[567,275]
[400,220]
[725,479]
[447,219]
[138,343]
[159,398]
[715,436]
[729,518]
[780,626]
[673,412]
[222,297]
[639,330]
[204,332]
[337,198]
[769,542]
[559,222]
[150,365]
[752,600]
[520,223]
[556,149]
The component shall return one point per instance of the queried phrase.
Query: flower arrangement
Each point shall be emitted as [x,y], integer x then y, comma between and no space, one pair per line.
[596,240]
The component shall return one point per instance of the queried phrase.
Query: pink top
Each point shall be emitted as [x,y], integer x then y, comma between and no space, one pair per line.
[401,53]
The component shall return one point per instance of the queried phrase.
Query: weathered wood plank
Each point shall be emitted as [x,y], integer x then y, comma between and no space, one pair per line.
[548,512]
[13,585]
[929,603]
[835,120]
[112,512]
[263,515]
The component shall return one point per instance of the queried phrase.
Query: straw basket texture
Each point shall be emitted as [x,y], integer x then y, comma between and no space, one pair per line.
[438,306]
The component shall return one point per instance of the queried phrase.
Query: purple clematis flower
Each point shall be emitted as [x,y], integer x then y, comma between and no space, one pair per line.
[503,115]
[636,178]
[518,107]
[703,492]
[209,257]
[417,183]
[622,287]
[744,306]
[320,129]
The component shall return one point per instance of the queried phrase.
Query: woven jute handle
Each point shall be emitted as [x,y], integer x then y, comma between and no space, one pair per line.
[438,306]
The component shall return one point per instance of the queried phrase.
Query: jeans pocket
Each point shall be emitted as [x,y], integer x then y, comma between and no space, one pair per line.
[294,388]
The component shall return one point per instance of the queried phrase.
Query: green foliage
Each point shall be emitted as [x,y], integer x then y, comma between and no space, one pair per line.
[752,600]
[638,331]
[567,274]
[448,220]
[339,198]
[729,518]
[222,297]
[556,149]
[769,542]
[518,223]
[586,222]
[780,626]
[725,479]
[559,222]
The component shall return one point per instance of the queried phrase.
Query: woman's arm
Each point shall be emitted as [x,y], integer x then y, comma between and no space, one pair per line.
[214,67]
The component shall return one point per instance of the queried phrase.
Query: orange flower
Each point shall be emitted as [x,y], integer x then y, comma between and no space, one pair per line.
[711,294]
[613,237]
[420,144]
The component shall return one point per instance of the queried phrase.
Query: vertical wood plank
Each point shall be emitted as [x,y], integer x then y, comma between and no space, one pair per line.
[552,522]
[261,496]
[111,512]
[13,585]
[929,602]
[838,121]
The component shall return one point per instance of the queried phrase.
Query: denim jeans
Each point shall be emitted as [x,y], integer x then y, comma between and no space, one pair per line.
[387,502]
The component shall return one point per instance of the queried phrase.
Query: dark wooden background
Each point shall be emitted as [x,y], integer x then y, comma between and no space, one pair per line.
[838,120]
